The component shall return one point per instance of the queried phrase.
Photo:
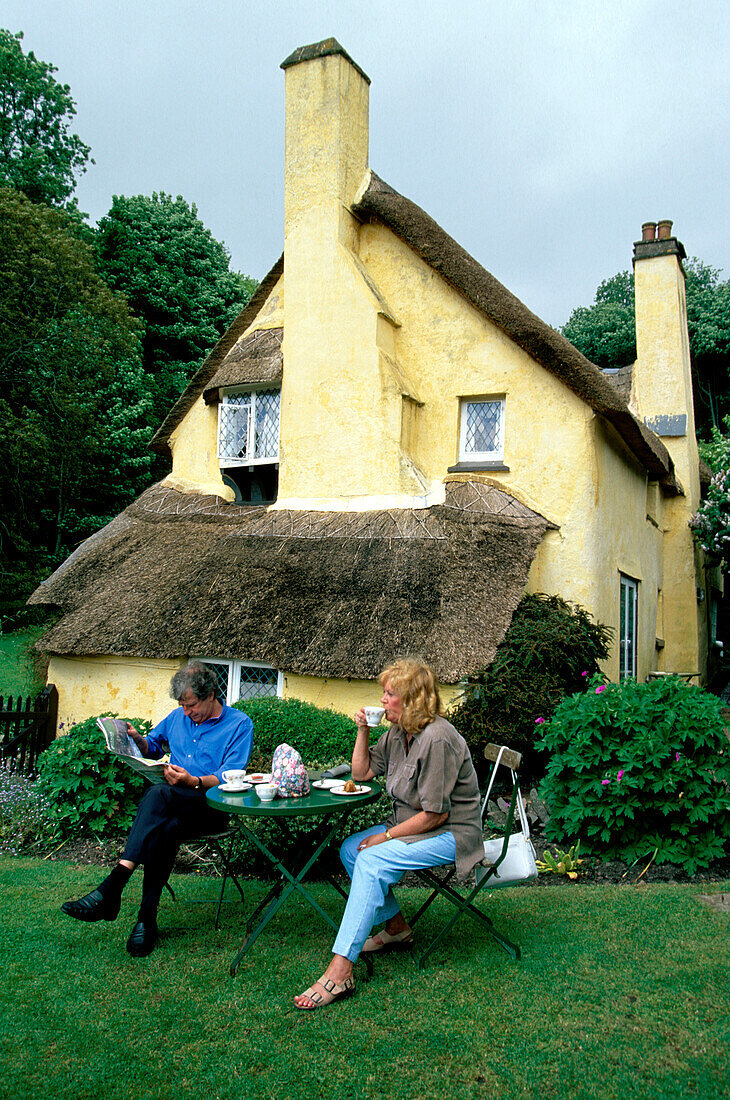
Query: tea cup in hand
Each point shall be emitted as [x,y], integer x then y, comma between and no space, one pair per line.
[373,715]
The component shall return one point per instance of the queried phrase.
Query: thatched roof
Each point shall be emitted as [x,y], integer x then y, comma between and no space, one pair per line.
[316,593]
[620,378]
[161,440]
[551,350]
[254,360]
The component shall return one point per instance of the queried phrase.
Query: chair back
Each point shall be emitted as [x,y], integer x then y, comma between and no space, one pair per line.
[514,851]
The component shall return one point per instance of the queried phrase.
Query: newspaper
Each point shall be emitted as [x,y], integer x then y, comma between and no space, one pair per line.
[121,744]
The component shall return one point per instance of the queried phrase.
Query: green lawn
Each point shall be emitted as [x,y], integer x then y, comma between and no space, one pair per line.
[18,674]
[621,992]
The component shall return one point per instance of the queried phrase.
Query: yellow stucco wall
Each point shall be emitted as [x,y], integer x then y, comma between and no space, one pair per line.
[133,687]
[345,696]
[139,688]
[193,444]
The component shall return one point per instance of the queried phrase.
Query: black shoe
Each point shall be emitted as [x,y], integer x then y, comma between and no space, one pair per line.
[143,939]
[94,906]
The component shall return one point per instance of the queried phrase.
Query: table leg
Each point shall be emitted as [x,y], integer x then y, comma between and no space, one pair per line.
[286,886]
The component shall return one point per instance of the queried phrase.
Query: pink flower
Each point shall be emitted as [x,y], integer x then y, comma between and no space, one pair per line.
[584,673]
[676,757]
[605,782]
[620,775]
[539,721]
[600,689]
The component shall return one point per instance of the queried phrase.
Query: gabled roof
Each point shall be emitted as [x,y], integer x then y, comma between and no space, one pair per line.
[160,442]
[316,593]
[551,350]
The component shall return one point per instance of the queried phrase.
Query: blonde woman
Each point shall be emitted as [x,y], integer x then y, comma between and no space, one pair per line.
[435,819]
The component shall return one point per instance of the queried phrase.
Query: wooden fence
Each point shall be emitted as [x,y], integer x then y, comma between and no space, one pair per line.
[27,728]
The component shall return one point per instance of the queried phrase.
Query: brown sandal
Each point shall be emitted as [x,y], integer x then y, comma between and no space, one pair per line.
[383,941]
[333,991]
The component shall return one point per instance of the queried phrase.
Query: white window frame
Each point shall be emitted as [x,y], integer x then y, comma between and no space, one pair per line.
[234,676]
[495,455]
[628,626]
[226,402]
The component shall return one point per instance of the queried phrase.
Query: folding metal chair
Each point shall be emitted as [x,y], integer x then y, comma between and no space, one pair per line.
[486,873]
[223,843]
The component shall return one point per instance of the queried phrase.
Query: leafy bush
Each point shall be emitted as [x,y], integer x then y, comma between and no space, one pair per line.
[317,733]
[636,768]
[24,812]
[550,650]
[89,790]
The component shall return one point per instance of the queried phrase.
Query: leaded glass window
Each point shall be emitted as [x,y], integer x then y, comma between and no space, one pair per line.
[482,430]
[244,680]
[248,428]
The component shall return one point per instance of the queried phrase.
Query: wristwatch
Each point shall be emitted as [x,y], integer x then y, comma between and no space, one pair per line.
[388,836]
[199,785]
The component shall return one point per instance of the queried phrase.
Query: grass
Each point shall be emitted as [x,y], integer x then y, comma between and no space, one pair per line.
[622,992]
[19,674]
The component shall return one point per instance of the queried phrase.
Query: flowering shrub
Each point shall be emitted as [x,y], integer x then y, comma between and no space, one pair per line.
[89,790]
[639,767]
[24,812]
[711,522]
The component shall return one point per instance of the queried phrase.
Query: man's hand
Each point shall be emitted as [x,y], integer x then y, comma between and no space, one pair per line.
[139,740]
[178,777]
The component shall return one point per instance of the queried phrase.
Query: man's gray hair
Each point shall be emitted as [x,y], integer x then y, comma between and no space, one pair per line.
[195,677]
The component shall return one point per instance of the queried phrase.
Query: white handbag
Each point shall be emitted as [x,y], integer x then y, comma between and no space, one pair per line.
[519,863]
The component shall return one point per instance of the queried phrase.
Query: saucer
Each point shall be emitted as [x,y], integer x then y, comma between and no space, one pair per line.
[349,794]
[326,784]
[234,788]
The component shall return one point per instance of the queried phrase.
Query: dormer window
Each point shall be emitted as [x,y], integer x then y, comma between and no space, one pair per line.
[248,443]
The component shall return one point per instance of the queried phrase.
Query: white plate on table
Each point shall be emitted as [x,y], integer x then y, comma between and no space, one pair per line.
[326,784]
[234,788]
[349,794]
[258,777]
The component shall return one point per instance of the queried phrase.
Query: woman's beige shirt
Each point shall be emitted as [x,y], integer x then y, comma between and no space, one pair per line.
[437,774]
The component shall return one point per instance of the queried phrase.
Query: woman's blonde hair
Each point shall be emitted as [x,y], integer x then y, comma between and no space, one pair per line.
[415,683]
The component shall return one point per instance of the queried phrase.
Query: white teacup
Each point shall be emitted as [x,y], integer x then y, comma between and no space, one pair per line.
[266,791]
[235,777]
[373,715]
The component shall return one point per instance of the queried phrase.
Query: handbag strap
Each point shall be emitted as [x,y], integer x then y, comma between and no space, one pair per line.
[520,804]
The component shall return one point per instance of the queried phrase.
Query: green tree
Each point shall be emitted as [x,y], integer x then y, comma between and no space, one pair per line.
[177,279]
[606,334]
[73,408]
[38,153]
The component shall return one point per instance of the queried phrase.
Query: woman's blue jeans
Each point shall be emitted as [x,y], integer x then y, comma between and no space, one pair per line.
[373,872]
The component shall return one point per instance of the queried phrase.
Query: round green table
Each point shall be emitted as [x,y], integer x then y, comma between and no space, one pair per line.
[331,808]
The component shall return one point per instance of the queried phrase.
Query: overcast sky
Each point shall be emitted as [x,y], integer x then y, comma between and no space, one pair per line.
[539,133]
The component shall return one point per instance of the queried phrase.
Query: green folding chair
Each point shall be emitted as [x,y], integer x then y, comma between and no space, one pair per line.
[512,853]
[222,843]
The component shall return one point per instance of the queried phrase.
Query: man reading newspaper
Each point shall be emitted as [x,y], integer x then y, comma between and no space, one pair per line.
[204,737]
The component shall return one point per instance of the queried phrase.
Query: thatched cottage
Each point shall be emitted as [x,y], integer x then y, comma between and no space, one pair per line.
[384,451]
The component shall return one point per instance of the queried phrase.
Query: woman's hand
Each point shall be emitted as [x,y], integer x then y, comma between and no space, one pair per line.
[371,841]
[361,721]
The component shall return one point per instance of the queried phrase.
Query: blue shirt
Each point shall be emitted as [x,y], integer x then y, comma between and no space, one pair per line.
[214,746]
